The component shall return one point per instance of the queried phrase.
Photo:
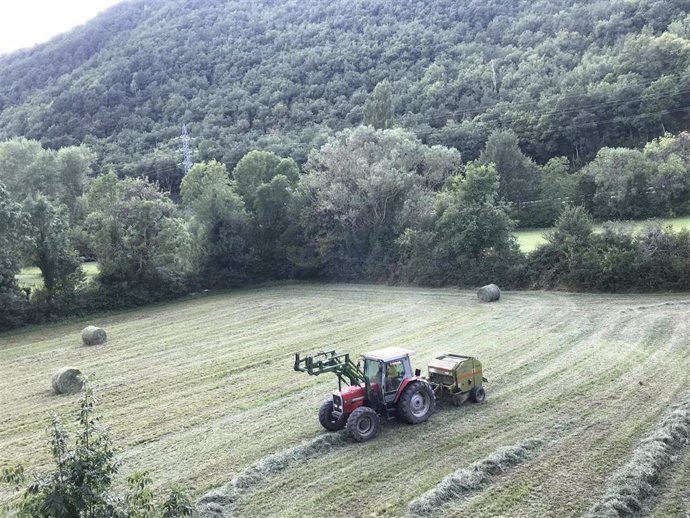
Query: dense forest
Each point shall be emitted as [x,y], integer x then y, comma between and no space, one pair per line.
[377,141]
[567,77]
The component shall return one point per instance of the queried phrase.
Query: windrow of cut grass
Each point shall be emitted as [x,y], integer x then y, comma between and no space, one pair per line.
[220,502]
[629,490]
[465,481]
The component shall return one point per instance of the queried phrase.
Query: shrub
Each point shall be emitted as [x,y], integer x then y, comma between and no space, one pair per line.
[80,484]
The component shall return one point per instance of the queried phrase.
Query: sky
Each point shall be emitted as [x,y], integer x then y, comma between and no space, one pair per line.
[25,23]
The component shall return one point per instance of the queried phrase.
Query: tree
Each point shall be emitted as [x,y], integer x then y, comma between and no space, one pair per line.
[671,181]
[223,250]
[259,168]
[13,238]
[572,232]
[361,190]
[26,168]
[518,175]
[51,249]
[469,239]
[378,108]
[556,190]
[621,181]
[142,246]
[74,164]
[564,255]
[267,185]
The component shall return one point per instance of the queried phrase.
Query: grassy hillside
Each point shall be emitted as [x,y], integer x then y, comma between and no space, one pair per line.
[567,76]
[201,390]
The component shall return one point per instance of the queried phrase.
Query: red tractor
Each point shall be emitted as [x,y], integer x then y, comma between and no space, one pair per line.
[387,387]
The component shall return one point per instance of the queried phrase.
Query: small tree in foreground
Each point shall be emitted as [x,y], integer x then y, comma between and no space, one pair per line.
[80,484]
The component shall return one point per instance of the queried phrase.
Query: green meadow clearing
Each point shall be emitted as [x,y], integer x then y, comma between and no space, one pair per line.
[31,277]
[201,390]
[530,238]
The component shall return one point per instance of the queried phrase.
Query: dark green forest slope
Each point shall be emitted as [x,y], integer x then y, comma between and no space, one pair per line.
[568,77]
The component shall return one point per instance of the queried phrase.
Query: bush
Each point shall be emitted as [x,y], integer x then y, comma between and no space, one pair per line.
[614,260]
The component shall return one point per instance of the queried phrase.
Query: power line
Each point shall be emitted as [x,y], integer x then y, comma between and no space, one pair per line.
[556,97]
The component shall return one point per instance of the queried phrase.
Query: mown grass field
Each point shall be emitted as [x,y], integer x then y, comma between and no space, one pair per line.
[530,238]
[199,390]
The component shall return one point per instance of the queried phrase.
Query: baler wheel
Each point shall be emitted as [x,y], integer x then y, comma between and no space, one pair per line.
[328,420]
[478,394]
[363,424]
[416,403]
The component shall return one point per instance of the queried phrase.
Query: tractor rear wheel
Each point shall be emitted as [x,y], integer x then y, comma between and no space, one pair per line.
[478,394]
[417,403]
[328,420]
[363,424]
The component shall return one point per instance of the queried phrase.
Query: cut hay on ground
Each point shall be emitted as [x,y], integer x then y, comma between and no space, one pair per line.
[489,293]
[67,381]
[220,502]
[635,482]
[467,480]
[93,335]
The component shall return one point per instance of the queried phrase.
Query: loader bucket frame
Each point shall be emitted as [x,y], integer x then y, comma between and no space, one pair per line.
[330,361]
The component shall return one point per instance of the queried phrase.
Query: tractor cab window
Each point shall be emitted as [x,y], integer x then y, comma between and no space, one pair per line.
[395,373]
[372,370]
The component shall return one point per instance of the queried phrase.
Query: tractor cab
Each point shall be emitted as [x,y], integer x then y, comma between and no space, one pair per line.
[386,369]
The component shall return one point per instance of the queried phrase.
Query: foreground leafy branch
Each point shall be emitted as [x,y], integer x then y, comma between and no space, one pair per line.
[80,485]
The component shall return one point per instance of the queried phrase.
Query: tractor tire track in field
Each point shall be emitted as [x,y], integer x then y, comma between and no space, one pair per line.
[221,502]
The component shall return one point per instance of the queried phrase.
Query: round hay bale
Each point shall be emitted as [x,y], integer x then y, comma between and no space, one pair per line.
[67,381]
[93,335]
[488,293]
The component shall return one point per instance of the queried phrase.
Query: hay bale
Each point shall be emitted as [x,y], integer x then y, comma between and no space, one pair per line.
[93,335]
[67,381]
[488,293]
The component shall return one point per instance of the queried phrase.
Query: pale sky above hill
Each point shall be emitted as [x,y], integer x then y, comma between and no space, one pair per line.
[24,23]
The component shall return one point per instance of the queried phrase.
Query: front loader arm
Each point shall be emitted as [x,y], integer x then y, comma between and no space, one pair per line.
[330,361]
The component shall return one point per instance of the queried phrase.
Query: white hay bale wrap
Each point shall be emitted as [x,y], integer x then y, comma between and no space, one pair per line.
[67,381]
[489,293]
[93,335]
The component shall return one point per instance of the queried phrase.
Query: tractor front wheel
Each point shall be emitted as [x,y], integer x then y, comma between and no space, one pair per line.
[417,403]
[328,420]
[363,424]
[478,394]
